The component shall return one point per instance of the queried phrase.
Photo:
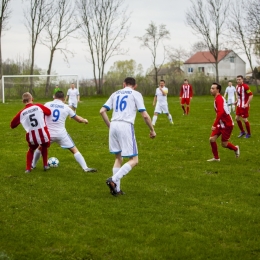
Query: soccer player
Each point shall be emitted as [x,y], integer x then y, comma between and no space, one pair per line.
[122,142]
[160,100]
[58,132]
[223,124]
[232,96]
[186,94]
[55,90]
[74,97]
[244,97]
[32,118]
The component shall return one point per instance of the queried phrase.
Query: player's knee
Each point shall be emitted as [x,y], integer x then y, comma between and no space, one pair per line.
[224,144]
[212,139]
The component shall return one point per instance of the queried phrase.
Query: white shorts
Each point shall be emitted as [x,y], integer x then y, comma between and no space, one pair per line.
[73,104]
[122,139]
[64,141]
[231,101]
[161,109]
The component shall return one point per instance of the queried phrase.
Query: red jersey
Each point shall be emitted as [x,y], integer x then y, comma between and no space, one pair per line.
[186,91]
[223,117]
[32,120]
[243,93]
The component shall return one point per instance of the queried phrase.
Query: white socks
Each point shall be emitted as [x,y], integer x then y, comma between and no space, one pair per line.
[115,170]
[170,117]
[36,157]
[154,120]
[80,159]
[121,172]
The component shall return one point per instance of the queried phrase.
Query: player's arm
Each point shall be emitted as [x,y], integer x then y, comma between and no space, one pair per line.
[80,119]
[154,100]
[148,121]
[220,111]
[249,100]
[46,110]
[15,121]
[78,97]
[181,93]
[103,113]
[164,91]
[67,96]
[191,92]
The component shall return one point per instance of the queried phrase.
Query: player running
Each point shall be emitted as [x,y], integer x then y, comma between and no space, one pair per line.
[232,96]
[32,120]
[186,94]
[223,124]
[58,132]
[122,142]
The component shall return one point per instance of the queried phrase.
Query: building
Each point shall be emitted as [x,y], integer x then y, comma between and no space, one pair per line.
[229,64]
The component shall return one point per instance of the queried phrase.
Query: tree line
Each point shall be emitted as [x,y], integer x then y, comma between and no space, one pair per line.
[104,25]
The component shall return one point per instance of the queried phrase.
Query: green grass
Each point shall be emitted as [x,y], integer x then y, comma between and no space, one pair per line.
[177,205]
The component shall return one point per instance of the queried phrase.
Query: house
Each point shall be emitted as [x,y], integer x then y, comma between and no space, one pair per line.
[166,70]
[229,64]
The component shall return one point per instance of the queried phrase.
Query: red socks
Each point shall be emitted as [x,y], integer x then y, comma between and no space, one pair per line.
[214,148]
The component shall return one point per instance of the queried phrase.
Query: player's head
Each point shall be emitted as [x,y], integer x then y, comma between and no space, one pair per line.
[240,79]
[27,98]
[56,86]
[162,83]
[59,95]
[129,81]
[186,82]
[230,83]
[215,89]
[72,85]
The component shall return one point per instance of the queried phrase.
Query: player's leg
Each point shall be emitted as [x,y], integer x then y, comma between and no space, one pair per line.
[165,110]
[182,106]
[36,156]
[229,105]
[29,157]
[213,137]
[155,116]
[247,124]
[226,133]
[116,168]
[239,123]
[44,152]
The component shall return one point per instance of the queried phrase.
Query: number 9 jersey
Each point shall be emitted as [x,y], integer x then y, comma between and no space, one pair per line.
[125,103]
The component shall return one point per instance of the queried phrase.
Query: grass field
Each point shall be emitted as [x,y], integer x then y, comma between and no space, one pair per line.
[177,205]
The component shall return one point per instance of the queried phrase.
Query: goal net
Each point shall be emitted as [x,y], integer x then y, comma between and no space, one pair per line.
[40,86]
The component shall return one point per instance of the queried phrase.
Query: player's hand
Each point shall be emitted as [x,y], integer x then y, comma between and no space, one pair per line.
[153,104]
[85,121]
[213,128]
[152,134]
[246,105]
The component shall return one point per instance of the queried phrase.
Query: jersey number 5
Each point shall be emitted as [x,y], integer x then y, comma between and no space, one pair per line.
[33,121]
[121,103]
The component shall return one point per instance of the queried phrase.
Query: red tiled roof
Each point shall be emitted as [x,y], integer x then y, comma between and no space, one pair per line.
[206,57]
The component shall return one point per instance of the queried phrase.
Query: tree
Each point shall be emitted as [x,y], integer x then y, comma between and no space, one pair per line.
[239,31]
[177,56]
[36,19]
[208,20]
[4,15]
[104,27]
[154,36]
[58,30]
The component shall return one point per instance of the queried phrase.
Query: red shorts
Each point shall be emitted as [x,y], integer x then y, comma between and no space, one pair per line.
[185,101]
[243,112]
[224,132]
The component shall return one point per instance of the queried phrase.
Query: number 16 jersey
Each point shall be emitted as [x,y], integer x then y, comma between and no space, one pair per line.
[125,103]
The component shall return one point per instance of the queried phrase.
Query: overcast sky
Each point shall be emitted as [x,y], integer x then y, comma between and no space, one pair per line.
[15,41]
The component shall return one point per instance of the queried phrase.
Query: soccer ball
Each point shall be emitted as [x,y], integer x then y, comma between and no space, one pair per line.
[53,162]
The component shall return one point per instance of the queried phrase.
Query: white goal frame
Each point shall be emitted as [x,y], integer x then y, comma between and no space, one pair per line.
[29,76]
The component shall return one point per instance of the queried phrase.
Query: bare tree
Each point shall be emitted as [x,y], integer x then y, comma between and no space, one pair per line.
[208,20]
[154,36]
[58,30]
[239,31]
[36,18]
[5,13]
[104,27]
[177,55]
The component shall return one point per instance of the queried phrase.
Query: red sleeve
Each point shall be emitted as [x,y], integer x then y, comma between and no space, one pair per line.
[247,90]
[219,102]
[45,110]
[16,120]
[191,91]
[181,92]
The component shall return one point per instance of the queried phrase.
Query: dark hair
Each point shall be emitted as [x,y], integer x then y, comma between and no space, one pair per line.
[130,81]
[59,95]
[185,80]
[240,76]
[162,80]
[218,86]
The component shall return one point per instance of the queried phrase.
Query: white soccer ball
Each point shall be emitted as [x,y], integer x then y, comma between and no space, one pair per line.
[53,162]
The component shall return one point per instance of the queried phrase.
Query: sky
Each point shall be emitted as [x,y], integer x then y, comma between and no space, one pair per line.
[15,40]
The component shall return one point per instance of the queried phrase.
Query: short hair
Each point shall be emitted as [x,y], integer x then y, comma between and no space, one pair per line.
[130,81]
[218,86]
[59,95]
[240,76]
[162,80]
[27,97]
[185,80]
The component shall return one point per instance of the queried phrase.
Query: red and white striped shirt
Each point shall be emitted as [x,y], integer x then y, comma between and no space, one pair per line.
[223,117]
[33,121]
[186,91]
[243,93]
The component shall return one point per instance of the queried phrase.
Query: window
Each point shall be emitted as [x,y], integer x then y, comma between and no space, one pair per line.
[190,70]
[210,70]
[232,59]
[201,69]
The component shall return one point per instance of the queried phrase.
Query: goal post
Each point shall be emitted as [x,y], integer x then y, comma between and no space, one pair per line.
[13,87]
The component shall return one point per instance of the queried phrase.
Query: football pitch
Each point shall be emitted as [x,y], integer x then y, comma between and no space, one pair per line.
[177,205]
